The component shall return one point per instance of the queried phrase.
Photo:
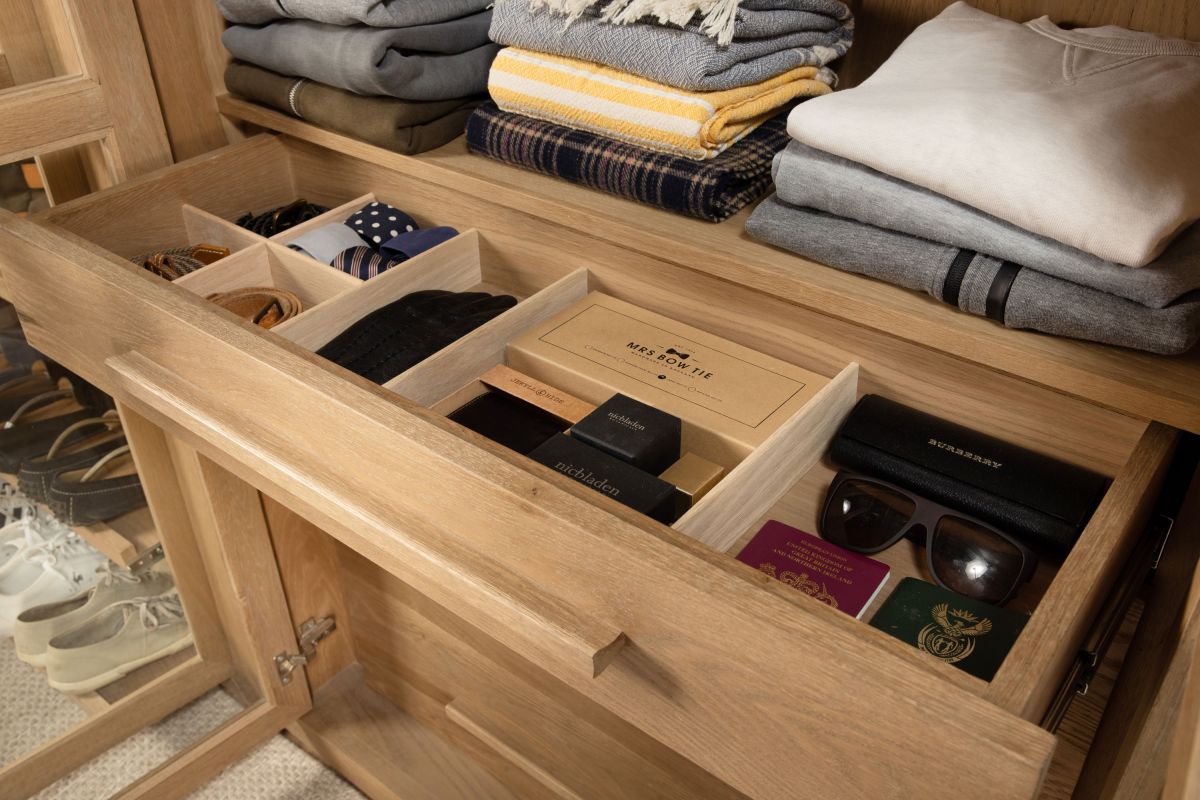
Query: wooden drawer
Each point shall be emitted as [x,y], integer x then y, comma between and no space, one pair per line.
[658,628]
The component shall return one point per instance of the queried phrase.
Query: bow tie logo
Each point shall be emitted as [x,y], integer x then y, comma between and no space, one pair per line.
[673,352]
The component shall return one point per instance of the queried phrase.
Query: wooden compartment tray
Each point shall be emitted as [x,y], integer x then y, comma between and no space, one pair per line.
[658,631]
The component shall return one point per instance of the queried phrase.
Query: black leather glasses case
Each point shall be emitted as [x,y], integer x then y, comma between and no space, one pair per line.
[1040,499]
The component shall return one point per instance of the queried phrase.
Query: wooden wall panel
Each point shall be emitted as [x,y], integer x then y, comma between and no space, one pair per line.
[187,60]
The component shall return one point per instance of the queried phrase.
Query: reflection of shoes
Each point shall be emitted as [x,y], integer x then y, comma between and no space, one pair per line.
[17,389]
[36,626]
[28,528]
[115,642]
[83,497]
[78,447]
[33,427]
[46,572]
[15,537]
[13,506]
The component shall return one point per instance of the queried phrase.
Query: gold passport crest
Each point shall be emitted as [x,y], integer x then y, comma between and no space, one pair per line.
[802,582]
[951,636]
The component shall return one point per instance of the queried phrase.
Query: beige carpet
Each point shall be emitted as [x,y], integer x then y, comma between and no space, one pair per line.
[32,713]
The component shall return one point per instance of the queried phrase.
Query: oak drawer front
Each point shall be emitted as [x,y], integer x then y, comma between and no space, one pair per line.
[486,698]
[688,644]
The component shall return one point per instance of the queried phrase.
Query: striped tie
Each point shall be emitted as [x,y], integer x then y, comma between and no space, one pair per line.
[363,262]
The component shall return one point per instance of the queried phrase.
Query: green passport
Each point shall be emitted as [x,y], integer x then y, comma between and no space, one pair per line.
[973,636]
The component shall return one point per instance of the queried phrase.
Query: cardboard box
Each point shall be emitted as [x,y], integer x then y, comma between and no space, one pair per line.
[730,398]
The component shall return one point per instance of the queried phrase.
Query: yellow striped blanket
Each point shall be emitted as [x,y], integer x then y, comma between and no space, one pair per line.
[653,115]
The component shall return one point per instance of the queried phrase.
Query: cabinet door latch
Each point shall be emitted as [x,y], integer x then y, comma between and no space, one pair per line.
[311,632]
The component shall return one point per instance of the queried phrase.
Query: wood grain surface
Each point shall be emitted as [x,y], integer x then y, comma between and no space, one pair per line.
[388,753]
[683,607]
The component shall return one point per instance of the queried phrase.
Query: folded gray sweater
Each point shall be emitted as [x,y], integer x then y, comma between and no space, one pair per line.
[376,13]
[766,43]
[808,177]
[1019,297]
[439,61]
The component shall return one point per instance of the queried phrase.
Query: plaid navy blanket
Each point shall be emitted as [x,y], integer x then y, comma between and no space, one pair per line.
[712,190]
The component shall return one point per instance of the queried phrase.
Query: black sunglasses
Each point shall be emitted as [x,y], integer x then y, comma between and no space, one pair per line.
[965,555]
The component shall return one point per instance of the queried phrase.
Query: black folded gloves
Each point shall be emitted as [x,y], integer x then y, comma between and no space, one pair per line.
[400,335]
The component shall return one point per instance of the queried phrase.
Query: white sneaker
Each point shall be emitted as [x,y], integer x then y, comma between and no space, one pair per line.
[47,572]
[13,504]
[29,530]
[37,625]
[115,642]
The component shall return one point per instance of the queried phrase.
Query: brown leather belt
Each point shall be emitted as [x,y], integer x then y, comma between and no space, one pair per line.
[265,306]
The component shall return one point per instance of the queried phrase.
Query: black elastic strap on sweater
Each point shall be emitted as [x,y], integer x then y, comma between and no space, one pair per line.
[954,278]
[997,297]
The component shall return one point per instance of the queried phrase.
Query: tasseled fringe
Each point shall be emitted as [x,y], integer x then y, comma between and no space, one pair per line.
[718,17]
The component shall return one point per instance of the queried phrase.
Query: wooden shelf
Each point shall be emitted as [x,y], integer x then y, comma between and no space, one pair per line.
[1139,384]
[123,539]
[384,750]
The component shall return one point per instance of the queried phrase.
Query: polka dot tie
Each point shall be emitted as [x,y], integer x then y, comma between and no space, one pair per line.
[378,223]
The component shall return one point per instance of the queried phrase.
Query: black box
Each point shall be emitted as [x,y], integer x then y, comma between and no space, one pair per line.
[508,421]
[634,432]
[626,484]
[1041,500]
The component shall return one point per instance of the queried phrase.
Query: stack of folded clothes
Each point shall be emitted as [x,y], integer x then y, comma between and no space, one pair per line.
[673,103]
[1046,178]
[401,75]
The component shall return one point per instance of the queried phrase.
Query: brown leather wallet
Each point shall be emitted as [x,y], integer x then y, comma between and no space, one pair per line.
[265,306]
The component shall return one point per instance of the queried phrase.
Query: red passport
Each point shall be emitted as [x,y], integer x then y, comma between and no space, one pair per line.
[837,577]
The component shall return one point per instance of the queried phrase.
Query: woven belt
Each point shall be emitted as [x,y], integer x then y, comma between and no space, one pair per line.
[176,262]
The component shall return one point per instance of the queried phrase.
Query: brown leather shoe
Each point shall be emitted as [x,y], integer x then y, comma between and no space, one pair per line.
[34,426]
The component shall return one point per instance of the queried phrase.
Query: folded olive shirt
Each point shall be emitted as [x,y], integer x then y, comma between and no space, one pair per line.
[403,126]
